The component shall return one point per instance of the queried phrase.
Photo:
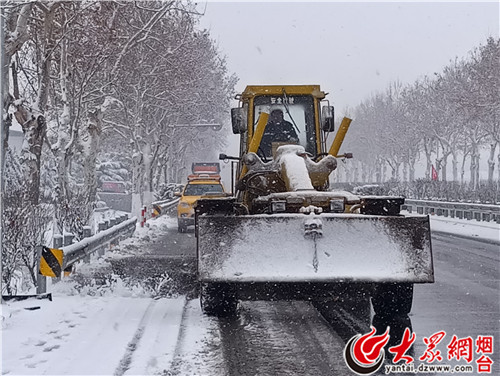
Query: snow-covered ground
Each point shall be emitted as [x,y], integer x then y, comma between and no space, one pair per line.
[487,231]
[123,330]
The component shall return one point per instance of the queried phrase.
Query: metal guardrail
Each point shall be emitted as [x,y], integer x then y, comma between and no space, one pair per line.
[166,206]
[85,247]
[107,237]
[110,233]
[460,210]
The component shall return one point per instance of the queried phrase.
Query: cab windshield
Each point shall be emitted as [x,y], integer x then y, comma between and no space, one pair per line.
[201,189]
[297,113]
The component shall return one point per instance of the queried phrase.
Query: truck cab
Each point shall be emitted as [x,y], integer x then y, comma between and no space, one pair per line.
[205,181]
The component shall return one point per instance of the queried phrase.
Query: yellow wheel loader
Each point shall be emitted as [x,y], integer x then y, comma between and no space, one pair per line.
[285,235]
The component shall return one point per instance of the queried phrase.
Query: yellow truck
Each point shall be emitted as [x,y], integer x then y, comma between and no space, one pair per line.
[205,181]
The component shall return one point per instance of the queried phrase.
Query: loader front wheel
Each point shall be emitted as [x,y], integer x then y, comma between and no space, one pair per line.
[392,303]
[392,299]
[218,299]
[181,227]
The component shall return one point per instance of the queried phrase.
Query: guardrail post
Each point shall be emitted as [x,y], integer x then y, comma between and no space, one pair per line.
[420,209]
[112,222]
[68,239]
[468,215]
[101,251]
[460,214]
[477,216]
[498,218]
[101,226]
[57,241]
[41,280]
[87,231]
[452,213]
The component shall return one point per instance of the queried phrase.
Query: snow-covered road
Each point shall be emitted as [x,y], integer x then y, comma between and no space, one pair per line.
[121,328]
[80,335]
[115,327]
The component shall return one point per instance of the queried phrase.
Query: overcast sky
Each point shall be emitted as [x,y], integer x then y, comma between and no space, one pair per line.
[351,49]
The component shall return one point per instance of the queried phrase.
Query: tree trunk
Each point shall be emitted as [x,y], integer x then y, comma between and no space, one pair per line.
[90,138]
[364,173]
[378,172]
[31,153]
[63,141]
[384,172]
[14,32]
[454,164]
[444,165]
[405,171]
[33,124]
[462,170]
[356,171]
[474,167]
[498,174]
[146,183]
[491,163]
[428,158]
[137,175]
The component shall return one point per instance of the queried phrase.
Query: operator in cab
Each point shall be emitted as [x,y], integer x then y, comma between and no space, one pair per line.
[277,130]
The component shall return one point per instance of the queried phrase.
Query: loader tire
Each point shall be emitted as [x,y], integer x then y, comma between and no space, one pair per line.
[218,299]
[392,299]
[392,304]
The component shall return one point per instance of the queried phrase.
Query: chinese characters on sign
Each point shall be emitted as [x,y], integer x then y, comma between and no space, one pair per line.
[465,349]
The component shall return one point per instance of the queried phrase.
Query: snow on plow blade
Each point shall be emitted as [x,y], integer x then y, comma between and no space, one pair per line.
[314,248]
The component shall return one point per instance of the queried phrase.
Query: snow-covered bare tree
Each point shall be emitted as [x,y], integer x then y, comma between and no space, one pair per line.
[172,79]
[15,20]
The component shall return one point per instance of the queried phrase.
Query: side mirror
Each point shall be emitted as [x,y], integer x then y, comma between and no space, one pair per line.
[327,119]
[238,120]
[224,157]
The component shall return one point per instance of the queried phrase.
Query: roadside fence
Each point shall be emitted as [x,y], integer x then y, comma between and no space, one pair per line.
[59,260]
[469,211]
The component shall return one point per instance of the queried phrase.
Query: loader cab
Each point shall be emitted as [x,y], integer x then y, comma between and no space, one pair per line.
[297,112]
[301,106]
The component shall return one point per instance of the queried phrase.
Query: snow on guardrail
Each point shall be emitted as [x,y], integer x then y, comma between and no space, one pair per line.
[110,233]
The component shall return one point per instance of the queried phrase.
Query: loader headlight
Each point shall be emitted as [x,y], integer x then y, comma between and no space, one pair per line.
[337,205]
[278,206]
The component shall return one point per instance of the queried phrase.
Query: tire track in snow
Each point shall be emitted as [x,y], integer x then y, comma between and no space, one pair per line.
[182,332]
[132,345]
[280,338]
[199,348]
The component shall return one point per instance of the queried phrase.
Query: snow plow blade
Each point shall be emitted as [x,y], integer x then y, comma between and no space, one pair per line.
[314,248]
